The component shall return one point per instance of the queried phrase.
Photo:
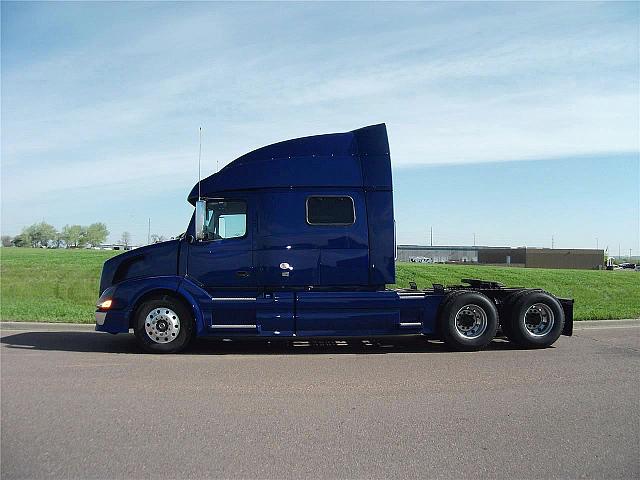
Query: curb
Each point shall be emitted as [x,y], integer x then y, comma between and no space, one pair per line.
[82,327]
[583,324]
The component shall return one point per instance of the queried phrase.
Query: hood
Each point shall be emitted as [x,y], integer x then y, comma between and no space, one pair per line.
[151,260]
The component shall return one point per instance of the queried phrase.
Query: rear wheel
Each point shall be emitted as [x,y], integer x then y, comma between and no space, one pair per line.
[163,325]
[468,321]
[536,320]
[505,312]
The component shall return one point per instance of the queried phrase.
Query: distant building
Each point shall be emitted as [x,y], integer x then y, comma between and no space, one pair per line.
[438,254]
[115,246]
[587,259]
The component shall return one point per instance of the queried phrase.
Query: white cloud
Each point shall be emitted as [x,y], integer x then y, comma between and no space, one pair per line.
[455,83]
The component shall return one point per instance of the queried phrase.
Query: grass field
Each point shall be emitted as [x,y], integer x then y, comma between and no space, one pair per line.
[50,285]
[598,294]
[62,285]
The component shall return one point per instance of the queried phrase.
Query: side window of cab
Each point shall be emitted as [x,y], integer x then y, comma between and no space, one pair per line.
[225,219]
[330,210]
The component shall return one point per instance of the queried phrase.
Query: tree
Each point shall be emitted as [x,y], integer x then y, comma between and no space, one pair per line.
[58,241]
[125,239]
[21,240]
[74,235]
[96,234]
[40,234]
[26,236]
[155,238]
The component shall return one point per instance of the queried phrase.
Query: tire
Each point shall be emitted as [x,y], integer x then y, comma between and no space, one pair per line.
[468,321]
[451,296]
[536,320]
[163,325]
[506,312]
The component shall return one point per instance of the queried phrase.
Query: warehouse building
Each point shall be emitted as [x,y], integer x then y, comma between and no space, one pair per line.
[578,258]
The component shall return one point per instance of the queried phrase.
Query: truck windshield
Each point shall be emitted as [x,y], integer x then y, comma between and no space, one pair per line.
[225,219]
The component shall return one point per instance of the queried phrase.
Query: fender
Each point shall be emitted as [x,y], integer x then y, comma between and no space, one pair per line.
[128,293]
[196,296]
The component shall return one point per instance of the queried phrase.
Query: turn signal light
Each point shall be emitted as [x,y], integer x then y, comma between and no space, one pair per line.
[105,305]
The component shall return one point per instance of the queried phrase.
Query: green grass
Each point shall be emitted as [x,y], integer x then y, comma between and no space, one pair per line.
[50,285]
[598,294]
[62,285]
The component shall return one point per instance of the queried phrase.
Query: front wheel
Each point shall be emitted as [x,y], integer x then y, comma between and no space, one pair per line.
[163,325]
[468,321]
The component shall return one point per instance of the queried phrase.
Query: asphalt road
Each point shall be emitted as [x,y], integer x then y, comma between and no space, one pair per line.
[80,404]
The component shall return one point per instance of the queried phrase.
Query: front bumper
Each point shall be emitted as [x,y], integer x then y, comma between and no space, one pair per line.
[112,321]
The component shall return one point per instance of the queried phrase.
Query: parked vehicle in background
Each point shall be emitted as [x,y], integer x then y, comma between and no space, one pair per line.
[297,239]
[421,260]
[628,266]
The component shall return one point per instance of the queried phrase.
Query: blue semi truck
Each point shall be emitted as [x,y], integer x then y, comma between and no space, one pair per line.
[297,240]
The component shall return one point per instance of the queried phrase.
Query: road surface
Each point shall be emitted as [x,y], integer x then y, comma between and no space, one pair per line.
[81,404]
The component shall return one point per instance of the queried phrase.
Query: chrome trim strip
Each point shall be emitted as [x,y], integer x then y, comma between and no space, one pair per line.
[230,327]
[395,242]
[233,299]
[410,324]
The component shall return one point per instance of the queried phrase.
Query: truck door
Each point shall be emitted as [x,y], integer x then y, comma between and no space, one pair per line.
[223,263]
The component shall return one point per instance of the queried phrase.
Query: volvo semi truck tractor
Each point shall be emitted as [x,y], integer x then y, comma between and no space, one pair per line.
[297,240]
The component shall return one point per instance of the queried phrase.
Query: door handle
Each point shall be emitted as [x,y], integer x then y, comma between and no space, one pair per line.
[242,274]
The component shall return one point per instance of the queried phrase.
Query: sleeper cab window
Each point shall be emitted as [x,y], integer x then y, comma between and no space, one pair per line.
[330,210]
[225,219]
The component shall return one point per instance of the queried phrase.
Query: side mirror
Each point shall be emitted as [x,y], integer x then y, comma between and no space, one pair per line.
[201,208]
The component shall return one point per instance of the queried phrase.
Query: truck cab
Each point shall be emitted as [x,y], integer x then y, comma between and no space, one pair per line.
[295,239]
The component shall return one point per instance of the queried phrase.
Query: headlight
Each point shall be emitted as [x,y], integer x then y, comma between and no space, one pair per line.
[105,304]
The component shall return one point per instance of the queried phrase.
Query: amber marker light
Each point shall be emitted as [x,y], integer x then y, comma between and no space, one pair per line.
[106,305]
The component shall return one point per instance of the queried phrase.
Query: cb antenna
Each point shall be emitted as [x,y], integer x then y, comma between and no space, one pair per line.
[199,158]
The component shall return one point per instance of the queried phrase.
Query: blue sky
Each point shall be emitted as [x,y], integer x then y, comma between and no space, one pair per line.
[514,121]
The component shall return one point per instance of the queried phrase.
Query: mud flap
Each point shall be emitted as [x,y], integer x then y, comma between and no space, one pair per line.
[567,306]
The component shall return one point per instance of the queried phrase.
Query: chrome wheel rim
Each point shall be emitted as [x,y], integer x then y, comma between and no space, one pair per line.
[539,319]
[471,321]
[162,325]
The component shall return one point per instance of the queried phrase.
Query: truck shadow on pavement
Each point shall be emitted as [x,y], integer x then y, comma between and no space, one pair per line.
[103,343]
